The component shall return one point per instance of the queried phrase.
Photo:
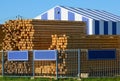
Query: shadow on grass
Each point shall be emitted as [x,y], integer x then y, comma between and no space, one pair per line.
[51,79]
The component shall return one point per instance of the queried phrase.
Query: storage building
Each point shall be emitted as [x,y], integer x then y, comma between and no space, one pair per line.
[99,22]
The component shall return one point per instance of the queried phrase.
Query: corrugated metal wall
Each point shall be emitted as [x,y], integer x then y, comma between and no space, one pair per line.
[95,25]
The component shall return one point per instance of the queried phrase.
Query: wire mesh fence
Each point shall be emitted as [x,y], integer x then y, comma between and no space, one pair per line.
[1,63]
[107,65]
[71,63]
[17,67]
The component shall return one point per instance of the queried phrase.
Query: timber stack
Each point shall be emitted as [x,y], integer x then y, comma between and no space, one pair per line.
[1,40]
[62,42]
[1,36]
[18,67]
[58,42]
[68,61]
[36,35]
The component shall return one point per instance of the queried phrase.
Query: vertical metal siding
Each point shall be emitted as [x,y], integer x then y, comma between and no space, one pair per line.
[101,27]
[57,13]
[118,28]
[93,26]
[71,16]
[97,24]
[110,28]
[51,14]
[105,28]
[78,17]
[114,28]
[87,23]
[64,14]
[44,16]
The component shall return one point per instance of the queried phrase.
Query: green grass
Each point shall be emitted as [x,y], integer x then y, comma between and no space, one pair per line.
[101,79]
[48,79]
[29,79]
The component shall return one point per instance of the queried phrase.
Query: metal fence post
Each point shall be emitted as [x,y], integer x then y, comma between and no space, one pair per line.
[33,63]
[56,64]
[2,63]
[78,63]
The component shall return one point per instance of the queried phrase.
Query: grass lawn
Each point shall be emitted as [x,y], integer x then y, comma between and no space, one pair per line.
[29,79]
[45,79]
[101,79]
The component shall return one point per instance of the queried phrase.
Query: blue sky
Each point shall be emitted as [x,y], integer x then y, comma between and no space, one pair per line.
[9,9]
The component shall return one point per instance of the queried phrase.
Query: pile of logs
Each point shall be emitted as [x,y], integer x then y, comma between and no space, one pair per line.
[0,62]
[92,66]
[62,42]
[1,36]
[45,68]
[68,60]
[36,34]
[1,40]
[58,42]
[18,67]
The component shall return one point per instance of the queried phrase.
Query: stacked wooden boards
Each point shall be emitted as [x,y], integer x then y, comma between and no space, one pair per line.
[99,67]
[58,42]
[85,42]
[45,68]
[0,63]
[18,68]
[1,40]
[68,59]
[36,34]
[1,36]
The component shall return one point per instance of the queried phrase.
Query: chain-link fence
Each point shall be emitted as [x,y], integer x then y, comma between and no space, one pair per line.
[77,63]
[1,64]
[17,67]
[100,64]
[69,63]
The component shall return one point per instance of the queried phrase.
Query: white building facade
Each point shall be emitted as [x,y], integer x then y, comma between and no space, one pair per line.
[98,22]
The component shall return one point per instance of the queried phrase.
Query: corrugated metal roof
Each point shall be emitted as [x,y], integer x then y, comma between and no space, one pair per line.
[94,14]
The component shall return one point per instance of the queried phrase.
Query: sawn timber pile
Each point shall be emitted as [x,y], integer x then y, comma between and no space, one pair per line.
[36,34]
[62,42]
[1,36]
[70,58]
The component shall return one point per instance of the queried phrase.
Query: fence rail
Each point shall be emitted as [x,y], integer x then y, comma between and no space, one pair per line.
[77,63]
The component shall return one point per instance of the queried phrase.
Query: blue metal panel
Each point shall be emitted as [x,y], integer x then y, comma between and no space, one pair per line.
[71,16]
[17,55]
[57,13]
[101,54]
[87,23]
[97,25]
[118,28]
[45,55]
[105,28]
[114,26]
[44,16]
